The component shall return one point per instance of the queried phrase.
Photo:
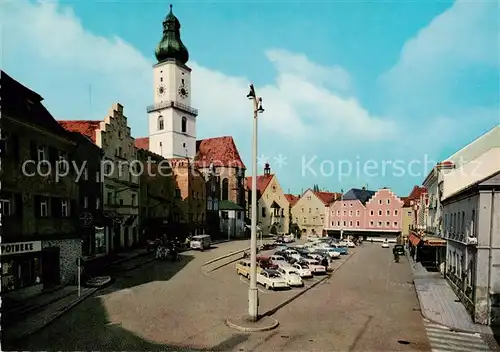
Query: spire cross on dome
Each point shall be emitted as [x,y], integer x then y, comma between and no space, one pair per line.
[171,8]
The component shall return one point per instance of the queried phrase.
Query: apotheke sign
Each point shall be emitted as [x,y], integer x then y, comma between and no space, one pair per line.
[20,247]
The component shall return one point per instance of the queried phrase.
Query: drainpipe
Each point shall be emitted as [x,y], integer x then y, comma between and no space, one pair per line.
[490,258]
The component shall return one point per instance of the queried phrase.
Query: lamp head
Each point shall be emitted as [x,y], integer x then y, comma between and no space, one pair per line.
[260,109]
[251,94]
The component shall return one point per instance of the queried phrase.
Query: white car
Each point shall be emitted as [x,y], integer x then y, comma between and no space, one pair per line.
[303,270]
[351,244]
[343,243]
[314,266]
[291,276]
[332,252]
[385,244]
[288,239]
[271,279]
[277,260]
[293,254]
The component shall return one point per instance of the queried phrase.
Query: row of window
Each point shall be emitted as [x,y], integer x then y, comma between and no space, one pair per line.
[372,224]
[112,200]
[380,201]
[372,213]
[44,207]
[161,124]
[314,220]
[458,223]
[273,212]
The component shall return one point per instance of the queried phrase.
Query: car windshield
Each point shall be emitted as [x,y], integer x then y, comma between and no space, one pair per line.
[293,273]
[274,275]
[304,266]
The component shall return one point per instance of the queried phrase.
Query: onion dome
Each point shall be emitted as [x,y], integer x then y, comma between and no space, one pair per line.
[171,46]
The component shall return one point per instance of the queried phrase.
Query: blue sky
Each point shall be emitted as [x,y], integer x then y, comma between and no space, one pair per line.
[370,85]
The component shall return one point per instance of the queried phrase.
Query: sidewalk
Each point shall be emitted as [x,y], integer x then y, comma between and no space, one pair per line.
[439,304]
[44,308]
[49,313]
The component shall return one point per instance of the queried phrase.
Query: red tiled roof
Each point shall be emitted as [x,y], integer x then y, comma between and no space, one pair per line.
[327,197]
[85,127]
[406,202]
[221,151]
[292,199]
[416,192]
[262,182]
[142,143]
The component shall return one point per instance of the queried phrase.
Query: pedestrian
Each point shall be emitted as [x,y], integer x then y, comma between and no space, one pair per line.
[324,262]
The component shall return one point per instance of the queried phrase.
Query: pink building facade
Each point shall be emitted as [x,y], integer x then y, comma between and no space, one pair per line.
[364,211]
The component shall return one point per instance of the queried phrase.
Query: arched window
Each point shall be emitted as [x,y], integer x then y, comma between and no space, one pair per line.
[160,123]
[210,205]
[184,125]
[225,190]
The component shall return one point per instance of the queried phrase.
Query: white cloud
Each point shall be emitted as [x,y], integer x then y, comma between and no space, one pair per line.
[434,61]
[303,95]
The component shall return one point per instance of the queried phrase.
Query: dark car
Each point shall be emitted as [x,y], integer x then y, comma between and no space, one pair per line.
[399,249]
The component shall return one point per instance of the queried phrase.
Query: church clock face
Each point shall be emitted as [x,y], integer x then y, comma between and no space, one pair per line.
[183,92]
[161,89]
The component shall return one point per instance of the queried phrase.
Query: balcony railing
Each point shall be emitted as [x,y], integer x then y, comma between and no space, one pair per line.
[467,237]
[172,104]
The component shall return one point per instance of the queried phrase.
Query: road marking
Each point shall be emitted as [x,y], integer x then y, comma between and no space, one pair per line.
[442,339]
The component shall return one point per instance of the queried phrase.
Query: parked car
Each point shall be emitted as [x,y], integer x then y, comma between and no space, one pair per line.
[243,268]
[277,259]
[351,244]
[291,276]
[293,254]
[264,262]
[303,270]
[342,250]
[271,279]
[399,249]
[385,244]
[314,266]
[332,253]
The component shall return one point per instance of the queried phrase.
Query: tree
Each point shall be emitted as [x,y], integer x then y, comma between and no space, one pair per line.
[315,188]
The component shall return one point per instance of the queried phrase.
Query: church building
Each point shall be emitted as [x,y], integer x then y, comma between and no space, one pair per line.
[172,131]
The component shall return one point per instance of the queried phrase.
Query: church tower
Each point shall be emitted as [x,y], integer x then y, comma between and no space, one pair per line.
[172,120]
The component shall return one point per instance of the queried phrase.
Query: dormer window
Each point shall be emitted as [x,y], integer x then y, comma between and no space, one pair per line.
[160,123]
[184,125]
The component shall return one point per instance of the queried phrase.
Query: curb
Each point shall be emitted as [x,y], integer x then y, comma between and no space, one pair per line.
[272,326]
[225,256]
[422,313]
[54,318]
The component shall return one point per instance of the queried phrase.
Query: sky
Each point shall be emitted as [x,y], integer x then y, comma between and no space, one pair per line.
[355,93]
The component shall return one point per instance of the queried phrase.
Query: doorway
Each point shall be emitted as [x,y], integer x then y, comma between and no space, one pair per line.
[125,237]
[116,239]
[51,269]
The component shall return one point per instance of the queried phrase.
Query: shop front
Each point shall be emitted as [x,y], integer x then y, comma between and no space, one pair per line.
[21,265]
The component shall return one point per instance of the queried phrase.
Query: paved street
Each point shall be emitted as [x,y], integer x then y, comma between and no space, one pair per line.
[367,304]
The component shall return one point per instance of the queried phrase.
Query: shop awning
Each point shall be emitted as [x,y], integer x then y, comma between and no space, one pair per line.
[414,239]
[434,241]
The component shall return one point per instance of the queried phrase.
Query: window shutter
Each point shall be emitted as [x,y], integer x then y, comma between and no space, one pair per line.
[18,202]
[33,151]
[37,206]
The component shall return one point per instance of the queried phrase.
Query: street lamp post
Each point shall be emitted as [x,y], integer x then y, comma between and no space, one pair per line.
[253,299]
[342,215]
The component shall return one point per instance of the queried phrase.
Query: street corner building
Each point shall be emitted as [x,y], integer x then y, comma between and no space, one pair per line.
[41,241]
[206,172]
